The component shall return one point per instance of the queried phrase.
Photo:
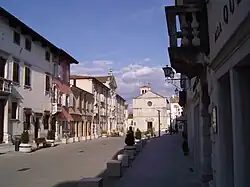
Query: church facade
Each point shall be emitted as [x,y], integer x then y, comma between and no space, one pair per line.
[149,110]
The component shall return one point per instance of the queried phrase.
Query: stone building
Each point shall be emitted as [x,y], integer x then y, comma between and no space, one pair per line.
[147,108]
[215,73]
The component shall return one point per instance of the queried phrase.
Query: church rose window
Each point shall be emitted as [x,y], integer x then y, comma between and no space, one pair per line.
[149,103]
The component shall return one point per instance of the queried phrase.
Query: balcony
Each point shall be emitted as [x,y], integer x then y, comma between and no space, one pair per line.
[56,107]
[5,86]
[102,98]
[191,41]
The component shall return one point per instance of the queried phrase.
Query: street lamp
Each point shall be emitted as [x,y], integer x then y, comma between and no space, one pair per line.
[159,121]
[168,72]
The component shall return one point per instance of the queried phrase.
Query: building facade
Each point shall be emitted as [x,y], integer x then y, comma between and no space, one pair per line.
[26,71]
[216,97]
[120,113]
[150,109]
[100,107]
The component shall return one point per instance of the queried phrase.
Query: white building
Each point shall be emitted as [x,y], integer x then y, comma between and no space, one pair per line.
[217,92]
[26,62]
[145,110]
[175,112]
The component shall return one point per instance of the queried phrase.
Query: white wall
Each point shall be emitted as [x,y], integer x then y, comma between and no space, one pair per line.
[34,97]
[215,17]
[142,112]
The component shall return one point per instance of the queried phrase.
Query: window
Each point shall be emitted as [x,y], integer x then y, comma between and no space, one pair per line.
[47,83]
[149,103]
[47,56]
[14,112]
[27,74]
[27,121]
[15,77]
[27,44]
[16,38]
[46,121]
[56,66]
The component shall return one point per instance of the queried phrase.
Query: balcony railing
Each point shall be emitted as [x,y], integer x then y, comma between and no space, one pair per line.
[190,40]
[5,86]
[56,107]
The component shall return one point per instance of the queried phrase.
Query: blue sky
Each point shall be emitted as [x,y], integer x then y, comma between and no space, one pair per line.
[128,36]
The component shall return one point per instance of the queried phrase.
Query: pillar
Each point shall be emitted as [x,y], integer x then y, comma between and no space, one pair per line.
[240,124]
[6,133]
[57,130]
[76,129]
[206,143]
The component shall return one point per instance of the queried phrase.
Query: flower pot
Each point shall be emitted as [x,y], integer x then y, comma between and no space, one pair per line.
[71,140]
[51,142]
[25,148]
[104,135]
[65,140]
[77,139]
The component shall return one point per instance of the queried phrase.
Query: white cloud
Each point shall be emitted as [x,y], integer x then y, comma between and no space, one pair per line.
[81,69]
[102,62]
[131,77]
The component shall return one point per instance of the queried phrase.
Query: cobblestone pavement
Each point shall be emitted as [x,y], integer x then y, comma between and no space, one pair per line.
[161,163]
[66,162]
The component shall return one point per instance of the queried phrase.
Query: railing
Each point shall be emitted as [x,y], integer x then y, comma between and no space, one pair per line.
[56,107]
[5,85]
[192,20]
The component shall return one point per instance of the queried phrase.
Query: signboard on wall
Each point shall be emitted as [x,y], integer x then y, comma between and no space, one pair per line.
[224,17]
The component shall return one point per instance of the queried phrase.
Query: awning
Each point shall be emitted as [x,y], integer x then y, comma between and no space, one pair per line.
[182,118]
[65,115]
[64,88]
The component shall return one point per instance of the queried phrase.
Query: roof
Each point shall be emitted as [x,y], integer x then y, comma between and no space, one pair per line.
[117,95]
[15,22]
[102,79]
[63,88]
[151,92]
[130,116]
[87,77]
[79,89]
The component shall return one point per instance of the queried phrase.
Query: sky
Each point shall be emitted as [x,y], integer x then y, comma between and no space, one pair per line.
[130,37]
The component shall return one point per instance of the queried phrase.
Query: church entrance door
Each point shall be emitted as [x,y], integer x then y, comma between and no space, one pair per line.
[150,125]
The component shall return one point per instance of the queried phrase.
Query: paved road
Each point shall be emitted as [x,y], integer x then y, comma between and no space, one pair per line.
[161,163]
[66,162]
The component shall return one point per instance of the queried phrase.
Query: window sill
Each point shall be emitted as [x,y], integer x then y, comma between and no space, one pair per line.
[16,83]
[27,87]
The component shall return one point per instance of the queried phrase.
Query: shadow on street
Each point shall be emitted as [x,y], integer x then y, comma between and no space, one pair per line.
[107,181]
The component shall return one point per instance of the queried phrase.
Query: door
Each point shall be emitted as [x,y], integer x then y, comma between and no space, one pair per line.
[36,127]
[2,103]
[150,125]
[2,67]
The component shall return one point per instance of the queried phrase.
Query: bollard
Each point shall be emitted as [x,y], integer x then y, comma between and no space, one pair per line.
[114,168]
[124,159]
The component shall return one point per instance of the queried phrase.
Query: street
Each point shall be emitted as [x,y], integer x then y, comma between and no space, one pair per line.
[49,166]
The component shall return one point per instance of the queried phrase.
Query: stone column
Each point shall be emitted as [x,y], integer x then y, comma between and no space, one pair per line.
[6,133]
[57,130]
[206,143]
[240,125]
[76,129]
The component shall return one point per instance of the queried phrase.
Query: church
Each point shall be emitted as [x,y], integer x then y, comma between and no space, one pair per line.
[149,110]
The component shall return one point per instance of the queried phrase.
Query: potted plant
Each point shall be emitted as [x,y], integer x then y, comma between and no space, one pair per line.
[51,138]
[65,138]
[25,147]
[137,135]
[104,133]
